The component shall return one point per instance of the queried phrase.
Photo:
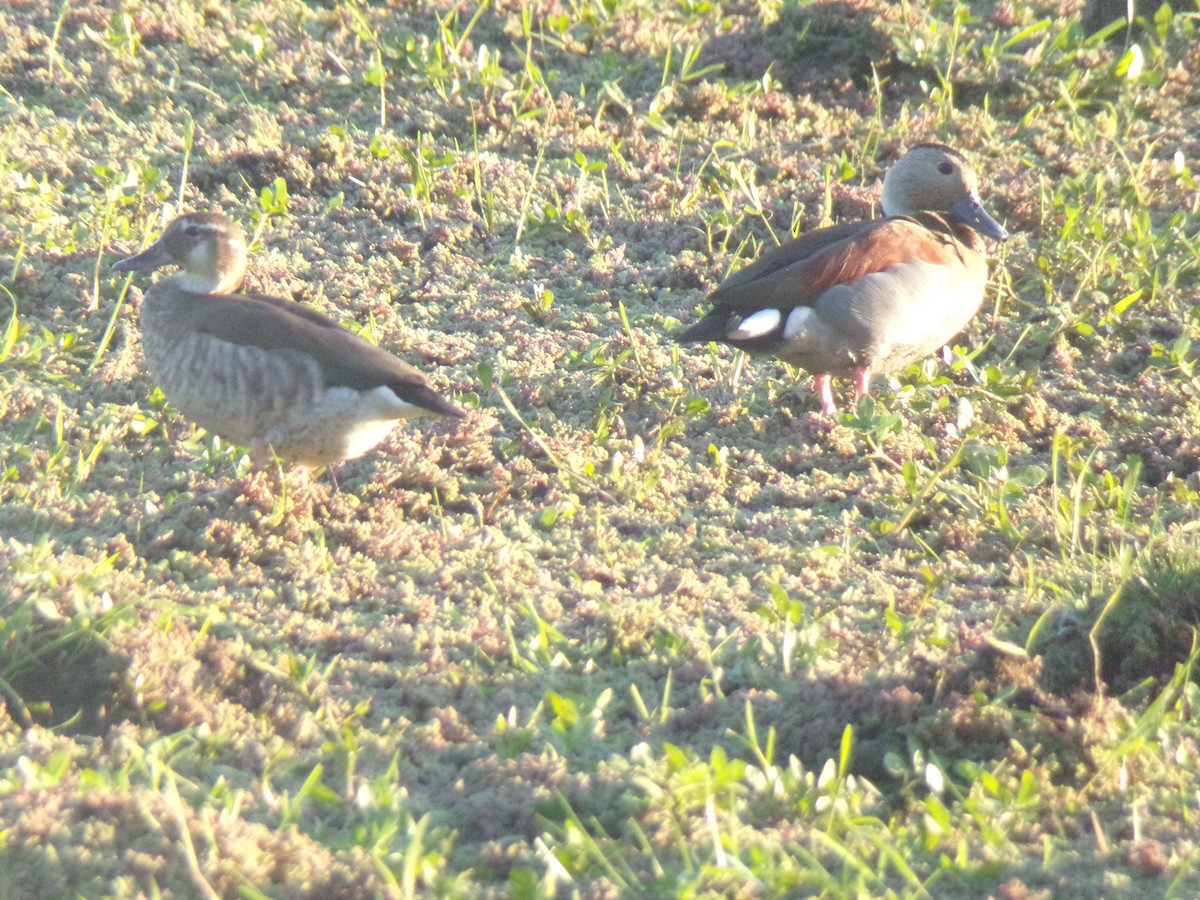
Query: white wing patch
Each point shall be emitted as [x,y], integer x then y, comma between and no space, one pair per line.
[762,322]
[798,320]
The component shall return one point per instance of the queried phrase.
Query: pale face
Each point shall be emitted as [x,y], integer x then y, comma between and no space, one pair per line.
[209,248]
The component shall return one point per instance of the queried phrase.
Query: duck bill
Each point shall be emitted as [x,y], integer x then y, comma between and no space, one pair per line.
[153,257]
[972,212]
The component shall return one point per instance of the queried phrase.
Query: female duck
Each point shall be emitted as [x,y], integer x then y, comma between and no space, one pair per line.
[260,371]
[867,295]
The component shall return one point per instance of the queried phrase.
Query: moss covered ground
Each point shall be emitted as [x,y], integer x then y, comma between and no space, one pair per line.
[633,628]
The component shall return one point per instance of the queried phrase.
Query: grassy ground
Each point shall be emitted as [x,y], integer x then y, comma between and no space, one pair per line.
[628,630]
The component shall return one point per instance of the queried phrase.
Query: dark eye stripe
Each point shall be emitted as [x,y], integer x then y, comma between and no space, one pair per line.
[196,229]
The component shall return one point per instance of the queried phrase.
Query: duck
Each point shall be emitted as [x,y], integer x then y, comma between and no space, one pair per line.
[866,296]
[270,374]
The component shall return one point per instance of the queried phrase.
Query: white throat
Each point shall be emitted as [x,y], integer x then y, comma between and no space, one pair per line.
[195,283]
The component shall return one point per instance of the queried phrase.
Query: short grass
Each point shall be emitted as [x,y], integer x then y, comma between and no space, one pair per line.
[629,630]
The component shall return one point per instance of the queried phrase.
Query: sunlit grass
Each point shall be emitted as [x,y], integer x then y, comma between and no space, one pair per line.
[644,625]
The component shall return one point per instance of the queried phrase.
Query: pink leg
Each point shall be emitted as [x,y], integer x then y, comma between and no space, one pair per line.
[862,383]
[825,393]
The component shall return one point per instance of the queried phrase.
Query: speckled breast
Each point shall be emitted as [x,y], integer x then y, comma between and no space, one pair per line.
[238,392]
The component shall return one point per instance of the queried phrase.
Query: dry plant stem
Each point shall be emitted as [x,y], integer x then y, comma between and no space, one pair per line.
[558,464]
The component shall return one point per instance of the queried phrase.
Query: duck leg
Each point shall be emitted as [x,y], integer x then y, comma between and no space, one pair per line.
[825,394]
[862,383]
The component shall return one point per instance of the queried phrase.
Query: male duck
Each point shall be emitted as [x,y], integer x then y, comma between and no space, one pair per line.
[267,373]
[866,295]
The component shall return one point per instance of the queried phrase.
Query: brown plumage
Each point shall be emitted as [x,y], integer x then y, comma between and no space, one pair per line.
[259,370]
[866,295]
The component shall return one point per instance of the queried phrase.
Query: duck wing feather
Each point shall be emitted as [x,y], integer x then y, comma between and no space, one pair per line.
[275,325]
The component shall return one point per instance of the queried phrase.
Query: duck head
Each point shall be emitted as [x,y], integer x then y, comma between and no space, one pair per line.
[208,248]
[937,178]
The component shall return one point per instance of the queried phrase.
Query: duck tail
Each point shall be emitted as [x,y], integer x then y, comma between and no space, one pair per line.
[712,327]
[427,399]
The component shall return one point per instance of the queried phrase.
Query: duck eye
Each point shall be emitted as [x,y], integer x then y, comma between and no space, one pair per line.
[945,167]
[192,231]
